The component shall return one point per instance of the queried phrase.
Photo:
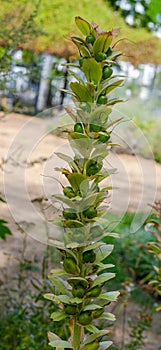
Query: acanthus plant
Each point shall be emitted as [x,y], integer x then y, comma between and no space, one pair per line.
[79,286]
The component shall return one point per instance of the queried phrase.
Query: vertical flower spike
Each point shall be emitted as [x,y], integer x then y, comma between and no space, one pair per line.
[79,286]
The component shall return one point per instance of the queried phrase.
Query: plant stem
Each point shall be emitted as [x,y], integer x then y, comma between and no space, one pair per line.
[77,332]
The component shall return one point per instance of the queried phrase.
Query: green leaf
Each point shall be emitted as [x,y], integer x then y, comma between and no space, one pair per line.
[111,87]
[81,92]
[104,251]
[83,146]
[52,336]
[58,316]
[59,284]
[93,337]
[65,200]
[91,328]
[76,179]
[77,77]
[104,266]
[103,278]
[4,230]
[108,316]
[110,296]
[60,344]
[101,176]
[100,150]
[84,187]
[82,47]
[105,345]
[92,70]
[83,25]
[88,201]
[91,307]
[102,43]
[57,298]
[58,272]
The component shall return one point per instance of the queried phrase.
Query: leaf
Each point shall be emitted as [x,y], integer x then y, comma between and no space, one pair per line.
[83,25]
[82,47]
[100,150]
[93,337]
[58,316]
[105,345]
[110,296]
[60,344]
[52,336]
[77,77]
[84,187]
[103,278]
[111,87]
[59,284]
[88,201]
[100,177]
[76,179]
[104,251]
[65,200]
[57,298]
[102,42]
[91,328]
[4,230]
[58,272]
[92,70]
[91,307]
[83,146]
[108,316]
[102,266]
[81,92]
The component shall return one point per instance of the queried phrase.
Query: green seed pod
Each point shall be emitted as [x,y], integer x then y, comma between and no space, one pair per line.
[93,167]
[78,127]
[73,224]
[78,292]
[70,266]
[92,346]
[89,256]
[81,60]
[85,106]
[100,56]
[107,72]
[94,128]
[85,318]
[109,52]
[94,292]
[102,99]
[68,192]
[70,309]
[90,39]
[69,214]
[90,212]
[98,312]
[104,136]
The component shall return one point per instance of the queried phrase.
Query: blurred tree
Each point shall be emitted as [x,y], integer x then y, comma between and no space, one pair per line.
[142,13]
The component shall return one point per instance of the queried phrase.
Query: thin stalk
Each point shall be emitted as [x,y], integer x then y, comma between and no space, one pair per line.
[77,333]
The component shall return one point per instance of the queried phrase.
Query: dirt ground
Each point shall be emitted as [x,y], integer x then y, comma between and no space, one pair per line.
[27,153]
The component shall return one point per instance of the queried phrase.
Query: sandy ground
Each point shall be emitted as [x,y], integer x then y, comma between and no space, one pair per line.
[27,176]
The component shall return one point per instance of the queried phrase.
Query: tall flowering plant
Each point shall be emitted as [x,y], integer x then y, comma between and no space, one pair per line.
[79,285]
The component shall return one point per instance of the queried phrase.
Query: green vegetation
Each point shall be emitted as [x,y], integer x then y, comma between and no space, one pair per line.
[25,314]
[55,18]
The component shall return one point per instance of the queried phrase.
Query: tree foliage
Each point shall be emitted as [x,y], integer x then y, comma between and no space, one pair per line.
[55,18]
[139,13]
